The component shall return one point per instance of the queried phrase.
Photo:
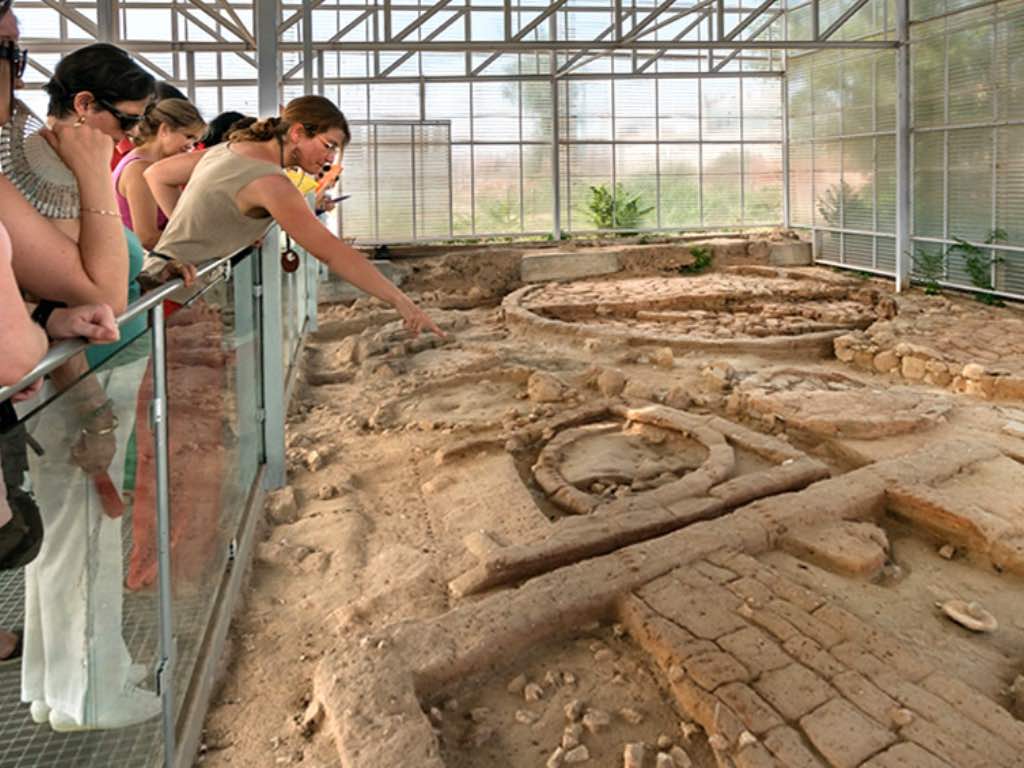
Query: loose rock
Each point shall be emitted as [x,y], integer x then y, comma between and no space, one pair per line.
[631,716]
[633,756]
[556,759]
[282,506]
[680,757]
[545,388]
[516,685]
[596,720]
[571,736]
[578,754]
[901,716]
[574,710]
[663,357]
[526,717]
[533,692]
[611,382]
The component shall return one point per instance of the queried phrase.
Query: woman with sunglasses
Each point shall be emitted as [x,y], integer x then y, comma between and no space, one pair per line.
[76,669]
[84,261]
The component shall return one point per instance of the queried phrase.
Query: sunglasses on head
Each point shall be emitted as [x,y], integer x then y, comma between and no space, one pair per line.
[126,120]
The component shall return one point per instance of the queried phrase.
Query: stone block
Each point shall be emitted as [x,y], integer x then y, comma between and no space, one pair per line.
[866,696]
[668,643]
[788,747]
[808,652]
[751,590]
[797,594]
[858,658]
[707,613]
[790,255]
[547,266]
[973,744]
[706,709]
[905,755]
[807,624]
[756,714]
[844,735]
[794,690]
[977,707]
[710,670]
[775,624]
[755,649]
[755,756]
[855,548]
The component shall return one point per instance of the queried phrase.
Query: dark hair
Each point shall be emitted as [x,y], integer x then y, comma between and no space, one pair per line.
[220,127]
[176,114]
[314,113]
[105,70]
[165,90]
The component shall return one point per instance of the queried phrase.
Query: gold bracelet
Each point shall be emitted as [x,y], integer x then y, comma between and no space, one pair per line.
[100,212]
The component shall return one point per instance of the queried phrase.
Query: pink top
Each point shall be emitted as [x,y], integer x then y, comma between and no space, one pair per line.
[122,201]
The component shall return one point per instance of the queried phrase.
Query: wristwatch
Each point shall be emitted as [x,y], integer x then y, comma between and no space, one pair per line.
[41,314]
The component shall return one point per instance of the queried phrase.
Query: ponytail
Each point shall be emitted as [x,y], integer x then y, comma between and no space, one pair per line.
[261,130]
[314,113]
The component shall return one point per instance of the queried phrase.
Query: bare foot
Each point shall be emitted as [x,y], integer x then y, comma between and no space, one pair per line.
[8,642]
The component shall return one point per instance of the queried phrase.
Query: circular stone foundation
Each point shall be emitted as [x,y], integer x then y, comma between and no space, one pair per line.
[583,468]
[760,310]
[834,405]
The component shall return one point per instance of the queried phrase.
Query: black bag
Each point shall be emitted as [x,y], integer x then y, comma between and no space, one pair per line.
[22,535]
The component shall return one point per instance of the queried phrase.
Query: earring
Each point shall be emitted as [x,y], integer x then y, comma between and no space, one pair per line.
[80,121]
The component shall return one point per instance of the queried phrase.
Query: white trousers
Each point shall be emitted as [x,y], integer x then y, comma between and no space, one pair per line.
[75,659]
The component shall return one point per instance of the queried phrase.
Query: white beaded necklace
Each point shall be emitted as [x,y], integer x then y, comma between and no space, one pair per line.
[35,169]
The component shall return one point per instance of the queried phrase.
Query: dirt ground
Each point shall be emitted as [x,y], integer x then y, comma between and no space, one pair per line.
[413,461]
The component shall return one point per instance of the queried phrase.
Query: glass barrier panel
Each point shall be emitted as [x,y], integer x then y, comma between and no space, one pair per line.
[214,453]
[83,691]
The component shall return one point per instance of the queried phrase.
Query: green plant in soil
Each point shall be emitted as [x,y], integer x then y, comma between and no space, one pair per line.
[618,210]
[702,259]
[928,265]
[978,264]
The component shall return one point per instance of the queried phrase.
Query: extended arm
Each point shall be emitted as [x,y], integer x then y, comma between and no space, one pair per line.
[166,178]
[284,202]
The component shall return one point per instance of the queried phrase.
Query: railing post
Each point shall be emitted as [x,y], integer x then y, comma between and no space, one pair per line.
[903,205]
[158,415]
[272,357]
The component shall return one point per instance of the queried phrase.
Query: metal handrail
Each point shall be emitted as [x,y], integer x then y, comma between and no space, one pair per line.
[62,351]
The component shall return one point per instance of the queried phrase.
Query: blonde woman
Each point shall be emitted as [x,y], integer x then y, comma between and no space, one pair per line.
[169,127]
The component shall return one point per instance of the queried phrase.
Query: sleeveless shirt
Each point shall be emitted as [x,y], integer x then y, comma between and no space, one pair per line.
[122,202]
[207,223]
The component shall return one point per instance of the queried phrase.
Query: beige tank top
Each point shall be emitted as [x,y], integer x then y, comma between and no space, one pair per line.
[206,223]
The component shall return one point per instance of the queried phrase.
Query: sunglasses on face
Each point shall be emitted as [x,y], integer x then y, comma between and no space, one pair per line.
[126,120]
[18,57]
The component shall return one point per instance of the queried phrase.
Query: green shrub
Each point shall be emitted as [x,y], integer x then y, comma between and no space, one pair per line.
[702,258]
[621,210]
